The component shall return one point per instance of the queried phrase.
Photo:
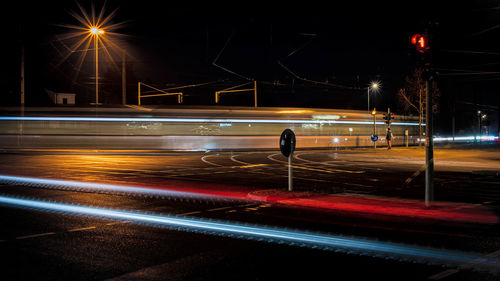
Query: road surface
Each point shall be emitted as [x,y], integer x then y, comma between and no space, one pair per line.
[45,244]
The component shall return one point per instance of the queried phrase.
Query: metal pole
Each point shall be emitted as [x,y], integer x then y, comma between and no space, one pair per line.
[453,122]
[420,116]
[124,79]
[21,123]
[22,76]
[290,172]
[389,114]
[406,137]
[479,113]
[429,146]
[96,70]
[374,128]
[368,95]
[138,93]
[255,93]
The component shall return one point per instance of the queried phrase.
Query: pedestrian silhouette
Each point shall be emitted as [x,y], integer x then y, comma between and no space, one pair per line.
[388,137]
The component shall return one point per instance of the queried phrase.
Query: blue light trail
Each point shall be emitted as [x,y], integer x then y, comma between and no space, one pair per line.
[276,235]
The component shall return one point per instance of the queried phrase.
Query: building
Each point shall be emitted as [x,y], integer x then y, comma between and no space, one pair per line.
[61,98]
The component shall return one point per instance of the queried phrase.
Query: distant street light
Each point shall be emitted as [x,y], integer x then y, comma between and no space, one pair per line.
[95,31]
[480,117]
[374,86]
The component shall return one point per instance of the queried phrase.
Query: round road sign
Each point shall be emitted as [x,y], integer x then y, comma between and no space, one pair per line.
[287,142]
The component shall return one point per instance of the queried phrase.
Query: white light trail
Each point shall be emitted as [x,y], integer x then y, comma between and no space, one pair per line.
[467,138]
[197,120]
[101,187]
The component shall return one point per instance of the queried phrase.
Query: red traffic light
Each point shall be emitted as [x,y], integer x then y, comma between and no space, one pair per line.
[421,42]
[414,39]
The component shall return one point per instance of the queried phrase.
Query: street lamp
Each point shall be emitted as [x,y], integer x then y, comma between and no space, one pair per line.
[374,86]
[481,116]
[92,27]
[96,31]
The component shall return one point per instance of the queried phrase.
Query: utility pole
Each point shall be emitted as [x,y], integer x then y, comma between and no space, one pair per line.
[255,93]
[389,117]
[138,93]
[21,123]
[479,113]
[124,79]
[22,77]
[453,112]
[368,98]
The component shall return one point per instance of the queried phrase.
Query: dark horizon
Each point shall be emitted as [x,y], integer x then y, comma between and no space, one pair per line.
[321,56]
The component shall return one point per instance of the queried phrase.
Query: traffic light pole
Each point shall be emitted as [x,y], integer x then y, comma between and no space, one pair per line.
[429,144]
[290,172]
[421,43]
[389,118]
[374,126]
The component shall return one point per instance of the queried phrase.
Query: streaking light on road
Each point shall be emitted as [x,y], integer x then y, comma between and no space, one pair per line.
[105,188]
[197,120]
[276,235]
[467,138]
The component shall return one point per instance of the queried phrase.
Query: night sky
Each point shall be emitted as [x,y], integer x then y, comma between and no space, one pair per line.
[337,49]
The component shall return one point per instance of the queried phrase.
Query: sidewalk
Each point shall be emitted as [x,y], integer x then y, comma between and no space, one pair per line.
[351,203]
[362,204]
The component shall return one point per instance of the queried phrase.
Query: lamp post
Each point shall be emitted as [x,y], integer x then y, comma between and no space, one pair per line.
[374,86]
[95,31]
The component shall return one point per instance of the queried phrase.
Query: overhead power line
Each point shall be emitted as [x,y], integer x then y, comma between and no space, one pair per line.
[472,52]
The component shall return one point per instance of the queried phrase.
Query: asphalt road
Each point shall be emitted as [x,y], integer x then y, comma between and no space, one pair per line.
[42,245]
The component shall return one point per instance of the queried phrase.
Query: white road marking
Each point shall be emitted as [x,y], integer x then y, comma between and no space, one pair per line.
[357,184]
[238,161]
[208,162]
[443,274]
[297,156]
[189,213]
[82,229]
[35,235]
[139,107]
[70,230]
[270,157]
[219,209]
[449,272]
[418,172]
[330,171]
[247,205]
[117,222]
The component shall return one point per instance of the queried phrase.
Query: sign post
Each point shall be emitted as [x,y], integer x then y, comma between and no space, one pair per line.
[406,137]
[374,137]
[287,146]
